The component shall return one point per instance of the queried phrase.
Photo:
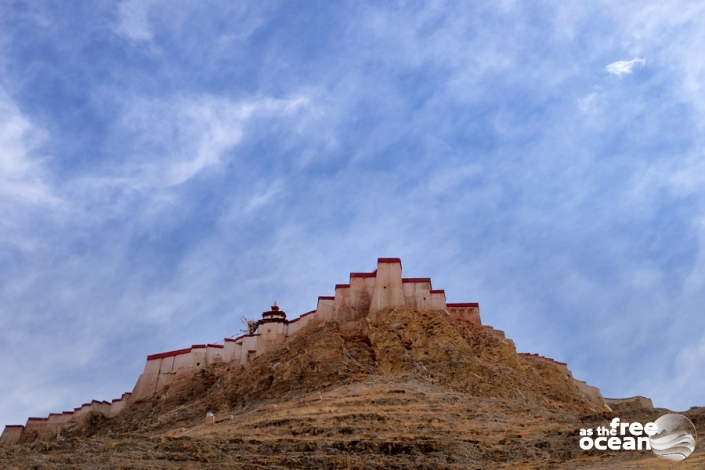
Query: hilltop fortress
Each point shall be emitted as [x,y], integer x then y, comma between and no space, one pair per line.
[364,294]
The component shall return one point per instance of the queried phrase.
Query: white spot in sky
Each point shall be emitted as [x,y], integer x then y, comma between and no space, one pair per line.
[624,67]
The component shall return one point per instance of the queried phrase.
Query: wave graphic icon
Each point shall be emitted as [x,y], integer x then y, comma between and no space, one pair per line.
[675,439]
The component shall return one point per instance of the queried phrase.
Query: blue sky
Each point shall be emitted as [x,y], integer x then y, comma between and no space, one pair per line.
[167,168]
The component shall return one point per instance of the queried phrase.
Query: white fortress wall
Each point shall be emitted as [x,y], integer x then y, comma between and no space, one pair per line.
[342,303]
[11,434]
[325,309]
[154,363]
[47,428]
[272,332]
[294,326]
[102,407]
[82,410]
[155,371]
[38,426]
[417,292]
[118,404]
[198,356]
[250,348]
[60,418]
[232,350]
[591,392]
[438,300]
[389,291]
[469,312]
[166,364]
[638,401]
[182,361]
[147,381]
[164,379]
[214,353]
[365,293]
[362,287]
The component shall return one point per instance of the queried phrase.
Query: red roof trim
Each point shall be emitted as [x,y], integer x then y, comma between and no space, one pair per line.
[372,274]
[239,338]
[274,313]
[389,260]
[54,414]
[326,297]
[303,315]
[440,291]
[178,352]
[219,346]
[342,286]
[14,426]
[37,419]
[417,279]
[468,304]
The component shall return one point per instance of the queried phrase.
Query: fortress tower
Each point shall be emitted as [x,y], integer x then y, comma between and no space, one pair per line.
[363,294]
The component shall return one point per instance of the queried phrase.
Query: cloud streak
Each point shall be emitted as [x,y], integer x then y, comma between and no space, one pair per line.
[624,67]
[175,140]
[169,170]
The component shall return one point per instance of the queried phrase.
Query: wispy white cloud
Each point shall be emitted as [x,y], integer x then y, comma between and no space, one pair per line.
[133,19]
[624,67]
[589,104]
[471,139]
[176,139]
[25,182]
[21,174]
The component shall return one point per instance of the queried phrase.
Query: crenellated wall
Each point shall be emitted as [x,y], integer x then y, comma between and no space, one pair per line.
[545,359]
[389,286]
[50,427]
[592,393]
[637,402]
[12,434]
[468,312]
[365,293]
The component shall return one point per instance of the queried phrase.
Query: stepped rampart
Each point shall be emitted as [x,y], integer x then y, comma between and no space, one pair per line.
[637,402]
[593,393]
[545,359]
[50,427]
[364,293]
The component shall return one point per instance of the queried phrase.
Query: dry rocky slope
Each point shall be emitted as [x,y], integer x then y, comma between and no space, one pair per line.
[398,388]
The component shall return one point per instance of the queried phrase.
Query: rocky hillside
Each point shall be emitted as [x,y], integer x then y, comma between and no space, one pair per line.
[397,389]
